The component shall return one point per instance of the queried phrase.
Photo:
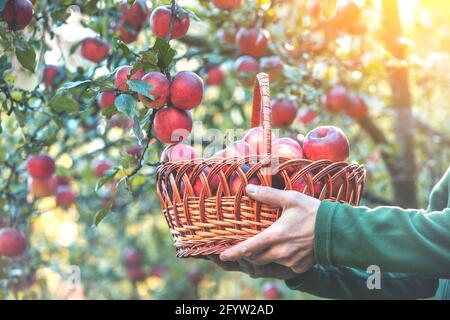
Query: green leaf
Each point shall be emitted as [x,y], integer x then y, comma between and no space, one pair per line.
[74,47]
[140,86]
[27,58]
[109,177]
[137,130]
[126,104]
[64,103]
[109,111]
[101,214]
[70,85]
[165,53]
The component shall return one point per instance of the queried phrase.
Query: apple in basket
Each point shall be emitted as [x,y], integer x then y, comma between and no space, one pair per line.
[326,142]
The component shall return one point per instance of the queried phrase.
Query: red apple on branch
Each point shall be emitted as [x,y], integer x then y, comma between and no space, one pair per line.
[272,66]
[42,187]
[132,257]
[357,107]
[65,197]
[124,74]
[128,32]
[160,21]
[12,243]
[271,291]
[40,166]
[172,125]
[246,68]
[160,91]
[186,90]
[215,76]
[136,273]
[284,112]
[253,41]
[53,75]
[102,166]
[136,14]
[106,99]
[227,4]
[18,14]
[336,99]
[326,142]
[94,49]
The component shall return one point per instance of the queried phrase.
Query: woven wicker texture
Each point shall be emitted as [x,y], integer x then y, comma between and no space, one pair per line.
[218,216]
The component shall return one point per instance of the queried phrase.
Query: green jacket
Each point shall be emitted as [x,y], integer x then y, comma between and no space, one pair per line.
[410,247]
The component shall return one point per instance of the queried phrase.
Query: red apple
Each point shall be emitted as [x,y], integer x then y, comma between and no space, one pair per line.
[12,243]
[118,120]
[302,185]
[287,147]
[227,4]
[123,74]
[235,180]
[246,68]
[336,99]
[178,152]
[195,276]
[227,35]
[308,117]
[271,66]
[136,273]
[134,151]
[172,125]
[215,76]
[327,142]
[42,187]
[41,166]
[284,112]
[53,75]
[106,99]
[132,257]
[136,14]
[271,291]
[18,14]
[236,149]
[357,107]
[63,180]
[186,90]
[102,166]
[252,41]
[65,197]
[128,32]
[254,137]
[158,271]
[160,91]
[94,50]
[160,21]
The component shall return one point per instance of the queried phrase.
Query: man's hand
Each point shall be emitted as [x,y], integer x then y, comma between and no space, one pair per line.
[272,270]
[289,241]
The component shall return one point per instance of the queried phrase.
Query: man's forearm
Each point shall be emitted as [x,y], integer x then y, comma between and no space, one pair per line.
[396,240]
[345,283]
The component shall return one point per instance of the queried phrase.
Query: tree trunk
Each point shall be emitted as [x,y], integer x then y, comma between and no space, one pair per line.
[404,179]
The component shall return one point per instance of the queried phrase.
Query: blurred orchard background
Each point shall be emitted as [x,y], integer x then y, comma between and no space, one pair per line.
[108,238]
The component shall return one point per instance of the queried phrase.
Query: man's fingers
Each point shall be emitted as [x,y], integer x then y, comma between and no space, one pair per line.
[271,196]
[225,265]
[251,246]
[269,256]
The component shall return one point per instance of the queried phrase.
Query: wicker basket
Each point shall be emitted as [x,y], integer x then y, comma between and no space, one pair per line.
[215,219]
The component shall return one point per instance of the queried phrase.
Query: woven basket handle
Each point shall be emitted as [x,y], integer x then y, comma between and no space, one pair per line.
[262,106]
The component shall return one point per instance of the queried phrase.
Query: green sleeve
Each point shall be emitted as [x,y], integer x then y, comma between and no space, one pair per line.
[396,240]
[346,283]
